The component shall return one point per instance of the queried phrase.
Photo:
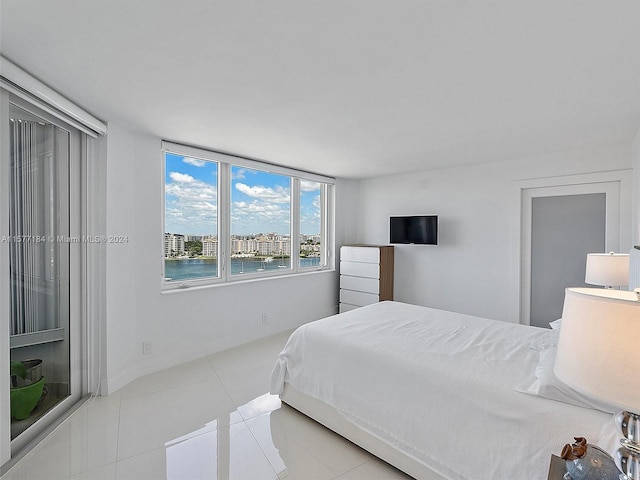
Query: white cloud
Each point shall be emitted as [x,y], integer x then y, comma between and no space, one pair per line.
[277,195]
[307,186]
[259,216]
[196,162]
[194,190]
[310,221]
[263,209]
[190,205]
[181,177]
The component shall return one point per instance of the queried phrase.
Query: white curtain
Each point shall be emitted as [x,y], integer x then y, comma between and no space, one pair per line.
[32,228]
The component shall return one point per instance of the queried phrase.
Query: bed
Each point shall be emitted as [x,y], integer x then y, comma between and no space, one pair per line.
[437,394]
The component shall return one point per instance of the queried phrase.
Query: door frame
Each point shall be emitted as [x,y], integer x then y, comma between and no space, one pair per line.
[14,449]
[5,412]
[617,187]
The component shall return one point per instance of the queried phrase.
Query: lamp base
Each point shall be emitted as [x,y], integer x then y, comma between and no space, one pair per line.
[628,463]
[628,455]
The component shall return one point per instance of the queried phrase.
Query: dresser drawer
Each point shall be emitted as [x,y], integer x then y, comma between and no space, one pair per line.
[360,254]
[358,298]
[358,269]
[361,284]
[366,275]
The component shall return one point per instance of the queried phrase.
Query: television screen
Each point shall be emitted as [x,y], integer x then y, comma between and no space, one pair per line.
[421,229]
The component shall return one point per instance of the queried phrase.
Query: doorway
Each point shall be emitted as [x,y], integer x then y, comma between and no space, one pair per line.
[560,224]
[42,258]
[564,229]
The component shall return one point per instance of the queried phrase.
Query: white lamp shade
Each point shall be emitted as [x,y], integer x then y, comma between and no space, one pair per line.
[599,347]
[607,269]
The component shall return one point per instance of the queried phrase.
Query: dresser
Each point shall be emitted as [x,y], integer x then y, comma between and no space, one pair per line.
[366,275]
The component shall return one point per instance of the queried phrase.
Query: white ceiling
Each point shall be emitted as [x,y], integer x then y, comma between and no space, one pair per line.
[350,88]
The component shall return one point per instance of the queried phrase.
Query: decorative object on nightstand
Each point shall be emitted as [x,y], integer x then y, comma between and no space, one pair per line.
[607,269]
[366,275]
[557,468]
[584,461]
[599,355]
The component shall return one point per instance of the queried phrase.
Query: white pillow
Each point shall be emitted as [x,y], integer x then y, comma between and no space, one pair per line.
[544,383]
[548,339]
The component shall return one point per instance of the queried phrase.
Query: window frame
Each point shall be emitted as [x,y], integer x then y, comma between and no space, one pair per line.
[225,163]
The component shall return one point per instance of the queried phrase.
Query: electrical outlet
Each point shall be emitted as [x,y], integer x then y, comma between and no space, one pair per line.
[264,320]
[146,348]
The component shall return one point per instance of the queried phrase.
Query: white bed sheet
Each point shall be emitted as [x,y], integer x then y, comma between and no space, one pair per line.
[437,386]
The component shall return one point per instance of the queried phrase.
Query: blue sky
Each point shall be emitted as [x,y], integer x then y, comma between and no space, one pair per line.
[260,201]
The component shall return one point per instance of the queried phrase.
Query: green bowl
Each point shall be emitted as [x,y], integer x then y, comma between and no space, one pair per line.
[24,399]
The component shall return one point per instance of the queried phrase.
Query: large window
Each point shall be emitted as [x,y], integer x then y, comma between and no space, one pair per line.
[311,224]
[260,220]
[228,218]
[190,218]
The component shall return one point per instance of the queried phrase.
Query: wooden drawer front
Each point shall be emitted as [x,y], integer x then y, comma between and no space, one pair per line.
[361,284]
[360,254]
[345,307]
[358,298]
[357,269]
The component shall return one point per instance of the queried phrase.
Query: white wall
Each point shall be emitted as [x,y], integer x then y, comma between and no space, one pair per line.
[472,269]
[186,324]
[347,213]
[122,287]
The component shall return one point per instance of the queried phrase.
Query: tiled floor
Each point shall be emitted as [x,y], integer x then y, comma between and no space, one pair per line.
[208,419]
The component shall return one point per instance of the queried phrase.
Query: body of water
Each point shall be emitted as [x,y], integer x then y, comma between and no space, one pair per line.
[191,268]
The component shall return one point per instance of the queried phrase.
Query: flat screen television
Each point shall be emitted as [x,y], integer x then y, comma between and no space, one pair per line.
[419,229]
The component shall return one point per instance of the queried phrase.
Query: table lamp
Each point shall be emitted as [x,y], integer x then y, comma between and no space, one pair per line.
[607,269]
[599,355]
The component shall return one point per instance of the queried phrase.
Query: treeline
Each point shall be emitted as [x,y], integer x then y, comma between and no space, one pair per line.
[193,247]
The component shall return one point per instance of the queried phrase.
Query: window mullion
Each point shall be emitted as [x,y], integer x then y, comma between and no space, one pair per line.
[295,224]
[224,221]
[328,225]
[324,247]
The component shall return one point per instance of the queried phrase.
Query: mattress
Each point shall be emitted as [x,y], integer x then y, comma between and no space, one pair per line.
[436,388]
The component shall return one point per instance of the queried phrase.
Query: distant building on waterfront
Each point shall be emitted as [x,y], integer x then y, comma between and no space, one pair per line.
[173,244]
[193,238]
[310,238]
[310,249]
[244,245]
[265,245]
[210,247]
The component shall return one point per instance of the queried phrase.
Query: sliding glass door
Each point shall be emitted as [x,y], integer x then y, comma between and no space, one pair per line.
[44,259]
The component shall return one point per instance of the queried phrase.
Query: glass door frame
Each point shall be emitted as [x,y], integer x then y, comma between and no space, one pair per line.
[78,380]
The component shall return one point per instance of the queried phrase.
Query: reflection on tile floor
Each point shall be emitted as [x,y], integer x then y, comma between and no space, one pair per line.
[215,422]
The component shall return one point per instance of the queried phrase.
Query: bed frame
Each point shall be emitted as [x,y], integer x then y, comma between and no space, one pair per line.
[331,418]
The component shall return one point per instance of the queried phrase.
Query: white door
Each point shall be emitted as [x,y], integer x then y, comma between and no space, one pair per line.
[41,267]
[564,229]
[560,224]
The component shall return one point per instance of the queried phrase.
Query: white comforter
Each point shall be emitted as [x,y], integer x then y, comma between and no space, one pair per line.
[438,386]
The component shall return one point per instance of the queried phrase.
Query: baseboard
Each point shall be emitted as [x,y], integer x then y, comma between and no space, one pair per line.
[111,385]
